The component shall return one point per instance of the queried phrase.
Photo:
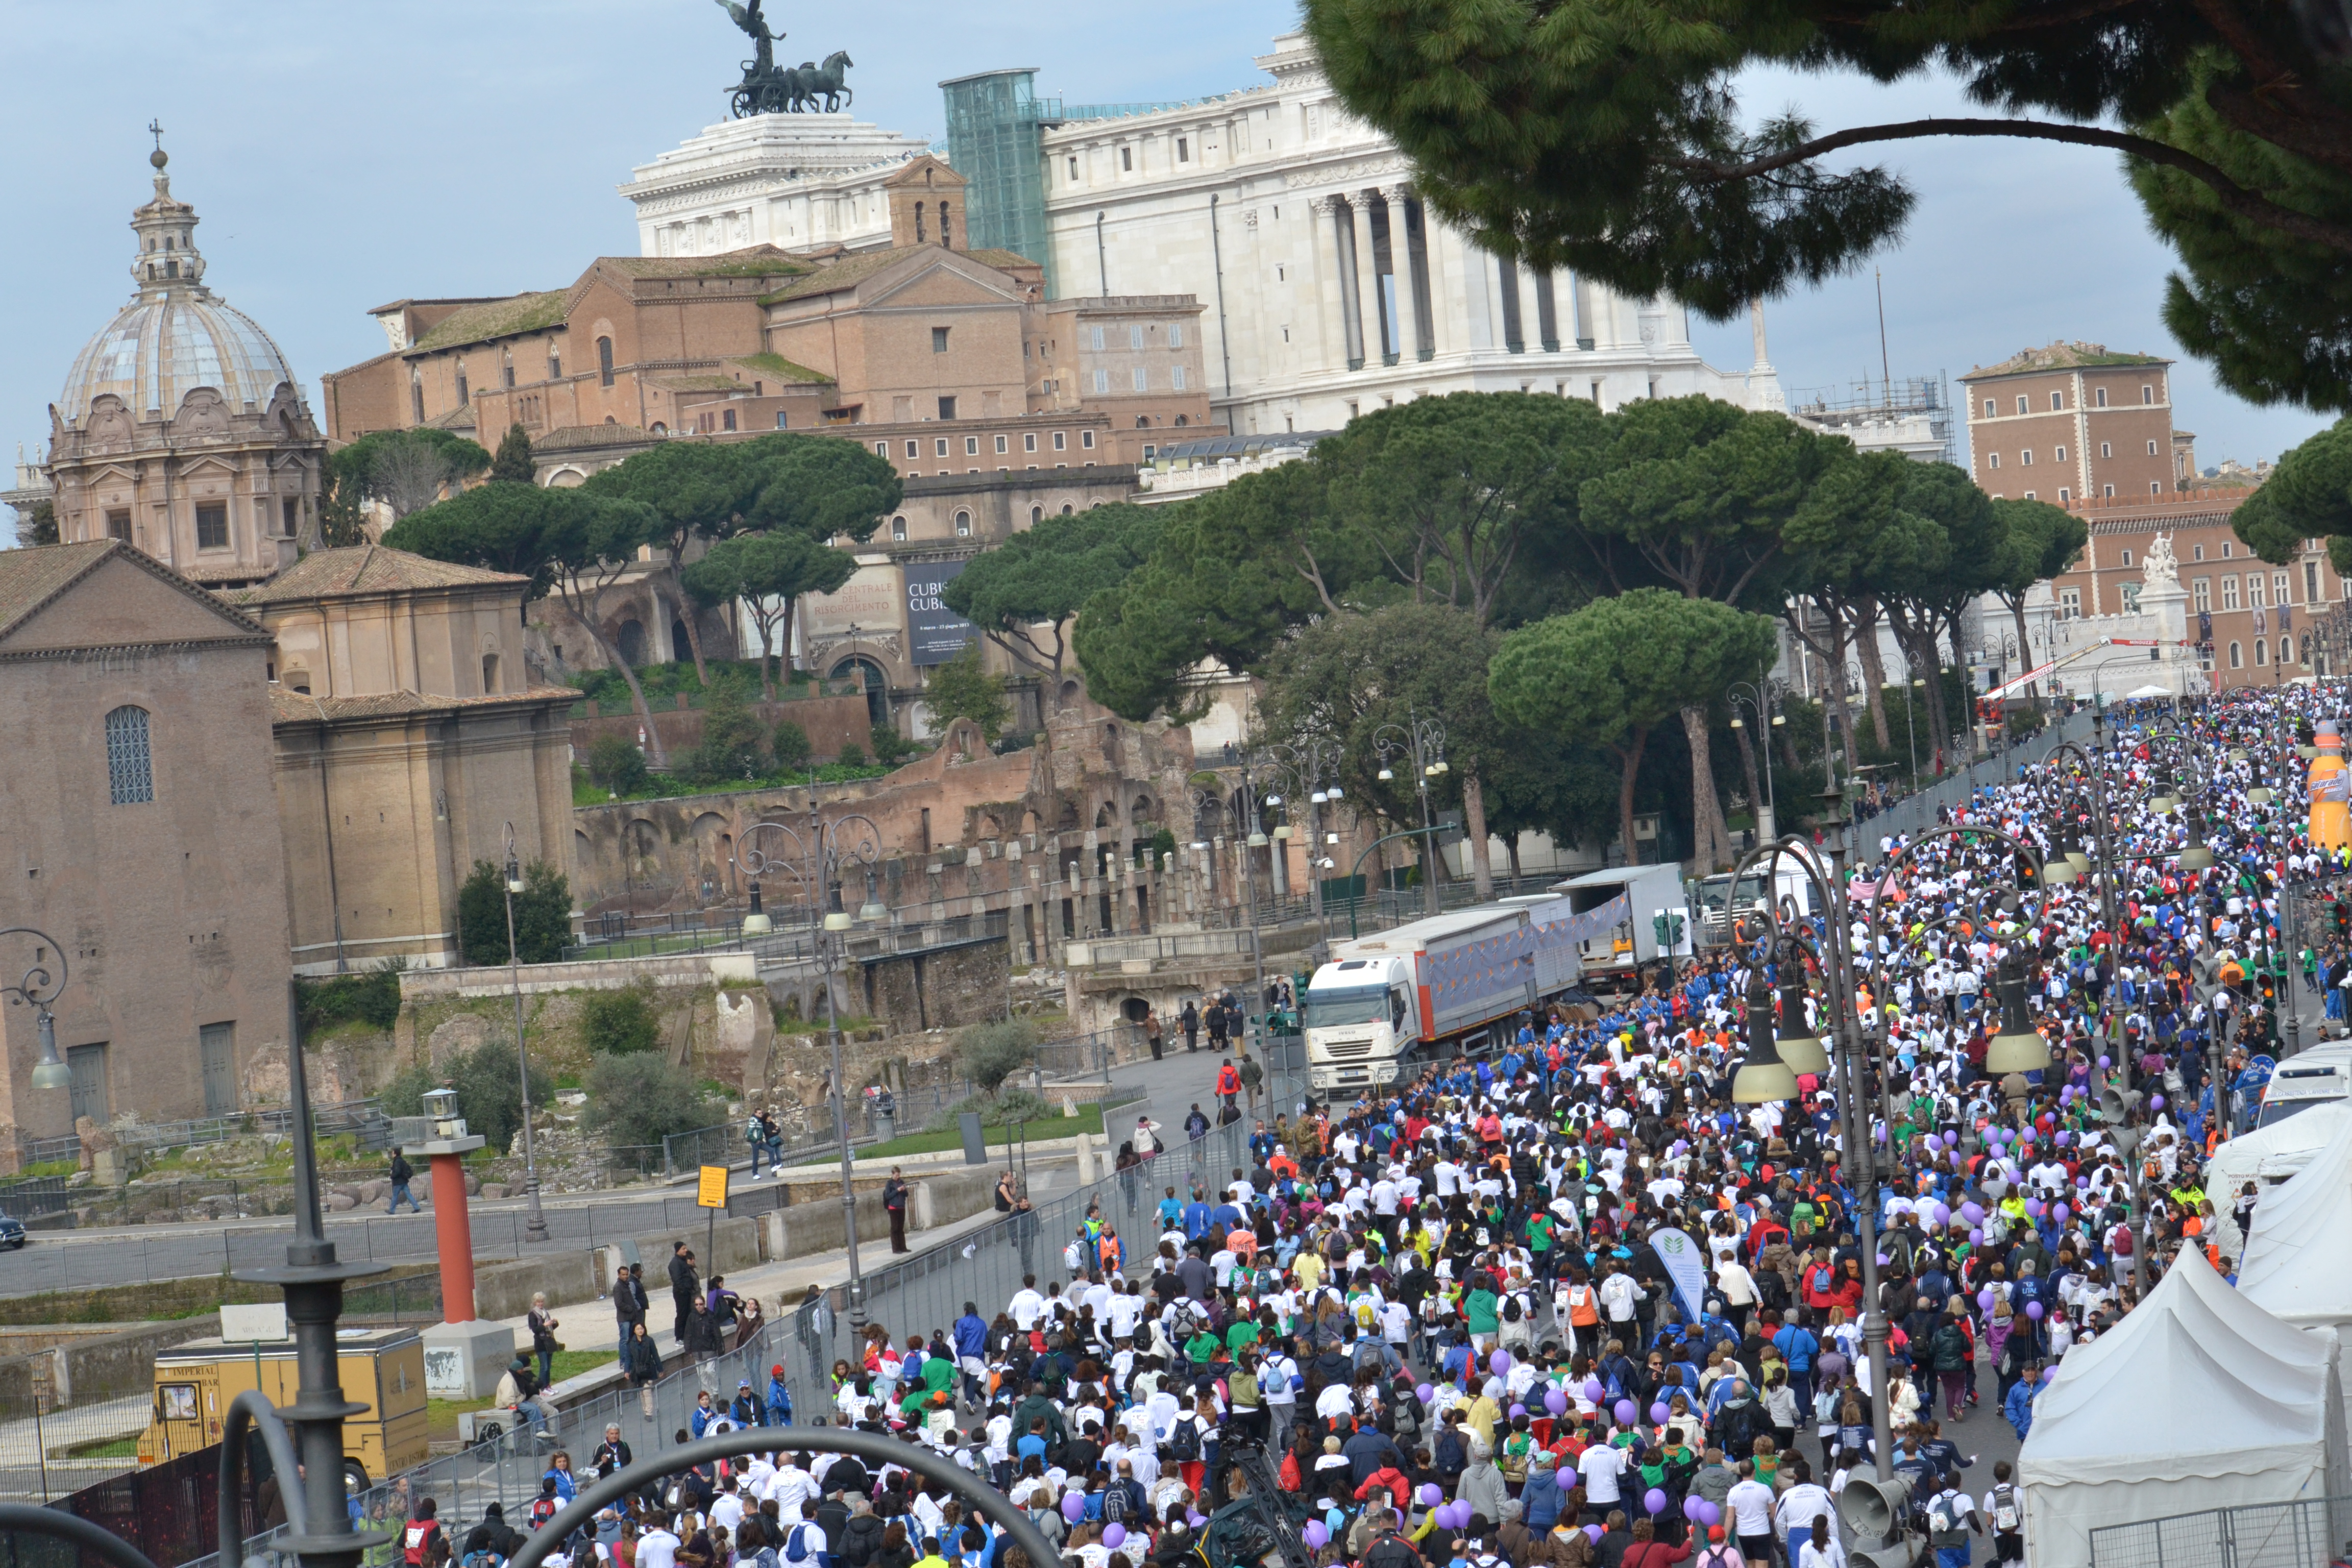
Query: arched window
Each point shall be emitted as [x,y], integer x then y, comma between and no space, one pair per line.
[2237,657]
[129,775]
[1036,515]
[604,361]
[2262,653]
[947,227]
[963,525]
[464,397]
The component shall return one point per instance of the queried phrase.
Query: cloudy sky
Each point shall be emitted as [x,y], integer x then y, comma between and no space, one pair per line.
[344,155]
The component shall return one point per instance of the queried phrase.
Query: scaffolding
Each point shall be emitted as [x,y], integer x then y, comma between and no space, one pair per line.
[1870,405]
[995,139]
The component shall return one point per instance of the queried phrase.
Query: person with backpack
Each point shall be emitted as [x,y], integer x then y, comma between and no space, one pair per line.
[401,1174]
[1952,1519]
[2004,1506]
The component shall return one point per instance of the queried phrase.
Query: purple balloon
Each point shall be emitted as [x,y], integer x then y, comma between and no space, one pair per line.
[1594,1389]
[1074,1507]
[1317,1535]
[2065,1138]
[2033,1207]
[2103,1062]
[1555,1401]
[1654,1500]
[1567,1480]
[1594,1532]
[1690,1509]
[1951,1139]
[2033,1311]
[1499,1362]
[2060,1211]
[1943,1215]
[1425,1392]
[1115,1536]
[1517,1411]
[1985,1299]
[1883,1260]
[1659,1411]
[1626,1413]
[2048,1373]
[1431,1495]
[2156,1102]
[1975,1236]
[1710,1514]
[1194,1517]
[1972,1213]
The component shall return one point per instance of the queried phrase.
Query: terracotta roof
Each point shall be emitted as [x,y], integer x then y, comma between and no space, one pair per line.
[852,270]
[2061,356]
[287,707]
[576,438]
[34,577]
[369,569]
[499,318]
[780,367]
[753,261]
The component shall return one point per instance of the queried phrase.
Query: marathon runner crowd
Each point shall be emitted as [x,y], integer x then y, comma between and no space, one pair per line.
[1445,1313]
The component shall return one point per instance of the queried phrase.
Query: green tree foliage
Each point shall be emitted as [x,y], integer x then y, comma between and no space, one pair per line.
[1608,139]
[988,1053]
[2308,496]
[489,1081]
[615,764]
[791,747]
[343,518]
[734,746]
[370,997]
[636,1101]
[621,1022]
[853,755]
[963,688]
[512,464]
[1347,676]
[768,572]
[406,469]
[37,524]
[1610,672]
[890,748]
[574,544]
[542,914]
[1041,577]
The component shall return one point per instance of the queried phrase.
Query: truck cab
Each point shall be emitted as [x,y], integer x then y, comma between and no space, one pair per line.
[1359,1023]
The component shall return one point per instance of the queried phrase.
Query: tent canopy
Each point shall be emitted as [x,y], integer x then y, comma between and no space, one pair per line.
[2146,691]
[2268,1156]
[2298,1263]
[2246,1409]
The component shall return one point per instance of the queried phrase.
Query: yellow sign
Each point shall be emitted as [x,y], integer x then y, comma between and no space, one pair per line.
[711,1192]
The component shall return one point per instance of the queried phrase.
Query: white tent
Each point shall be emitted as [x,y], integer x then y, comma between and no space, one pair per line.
[2267,1157]
[2298,1263]
[2199,1399]
[2146,691]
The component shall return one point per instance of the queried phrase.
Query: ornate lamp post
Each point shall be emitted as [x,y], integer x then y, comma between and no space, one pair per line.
[1757,698]
[815,859]
[535,1219]
[1245,827]
[1422,742]
[38,989]
[1302,767]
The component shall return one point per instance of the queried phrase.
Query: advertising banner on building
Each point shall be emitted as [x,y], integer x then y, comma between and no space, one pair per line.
[935,634]
[869,601]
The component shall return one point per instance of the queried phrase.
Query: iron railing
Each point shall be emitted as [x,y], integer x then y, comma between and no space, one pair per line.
[2304,1533]
[360,1116]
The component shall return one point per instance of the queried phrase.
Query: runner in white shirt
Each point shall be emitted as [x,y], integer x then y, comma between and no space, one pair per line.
[657,1548]
[1027,1307]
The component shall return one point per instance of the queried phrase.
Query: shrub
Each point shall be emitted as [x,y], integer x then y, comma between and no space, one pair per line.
[791,746]
[542,914]
[733,750]
[1005,1109]
[891,748]
[490,1091]
[988,1053]
[371,998]
[853,755]
[635,1101]
[615,764]
[621,1023]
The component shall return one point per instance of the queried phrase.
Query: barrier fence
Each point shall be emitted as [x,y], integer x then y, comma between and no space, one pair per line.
[2306,1533]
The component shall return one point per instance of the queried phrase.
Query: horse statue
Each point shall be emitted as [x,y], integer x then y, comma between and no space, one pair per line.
[822,87]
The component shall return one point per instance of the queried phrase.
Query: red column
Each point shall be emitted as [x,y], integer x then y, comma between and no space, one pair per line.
[456,1238]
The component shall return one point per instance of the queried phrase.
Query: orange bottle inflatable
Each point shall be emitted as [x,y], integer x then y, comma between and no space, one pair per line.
[2331,815]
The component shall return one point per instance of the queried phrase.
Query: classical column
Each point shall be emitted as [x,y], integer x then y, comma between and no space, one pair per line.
[1368,280]
[1418,316]
[1326,254]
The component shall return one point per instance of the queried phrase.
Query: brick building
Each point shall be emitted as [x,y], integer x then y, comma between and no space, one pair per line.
[144,838]
[2073,422]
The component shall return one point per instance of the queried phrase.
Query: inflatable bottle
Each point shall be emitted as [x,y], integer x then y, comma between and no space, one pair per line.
[2331,815]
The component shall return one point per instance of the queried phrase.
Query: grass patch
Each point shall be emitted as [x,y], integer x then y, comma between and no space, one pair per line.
[1087,1120]
[441,1415]
[105,1449]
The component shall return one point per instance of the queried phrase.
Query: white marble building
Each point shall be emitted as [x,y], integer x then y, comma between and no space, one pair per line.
[1328,289]
[795,181]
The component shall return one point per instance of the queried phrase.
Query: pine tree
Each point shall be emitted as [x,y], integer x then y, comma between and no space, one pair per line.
[513,462]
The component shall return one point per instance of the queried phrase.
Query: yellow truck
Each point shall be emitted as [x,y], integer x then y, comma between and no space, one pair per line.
[382,1369]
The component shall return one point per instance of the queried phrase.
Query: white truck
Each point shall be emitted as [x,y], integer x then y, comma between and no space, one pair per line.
[1614,955]
[1718,905]
[1384,1003]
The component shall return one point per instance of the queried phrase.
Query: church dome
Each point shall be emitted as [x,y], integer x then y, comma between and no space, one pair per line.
[174,335]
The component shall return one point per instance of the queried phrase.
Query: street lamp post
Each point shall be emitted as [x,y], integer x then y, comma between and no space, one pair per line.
[1302,766]
[1246,829]
[38,989]
[1757,697]
[535,1219]
[815,860]
[1423,741]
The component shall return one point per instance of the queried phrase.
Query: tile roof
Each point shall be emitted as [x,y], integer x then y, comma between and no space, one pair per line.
[34,577]
[753,261]
[780,367]
[854,269]
[369,569]
[2061,356]
[499,318]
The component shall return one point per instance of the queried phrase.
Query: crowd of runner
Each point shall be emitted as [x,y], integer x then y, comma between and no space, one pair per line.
[1443,1320]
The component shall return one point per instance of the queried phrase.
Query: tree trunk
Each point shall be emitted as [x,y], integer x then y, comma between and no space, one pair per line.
[1748,769]
[1511,848]
[1873,670]
[1629,767]
[2024,653]
[1921,653]
[1845,698]
[1711,839]
[685,618]
[655,753]
[1474,817]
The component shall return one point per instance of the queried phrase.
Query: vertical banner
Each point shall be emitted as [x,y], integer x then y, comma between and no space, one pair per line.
[1686,1263]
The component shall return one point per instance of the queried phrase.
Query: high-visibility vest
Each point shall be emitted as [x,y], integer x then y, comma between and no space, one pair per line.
[1583,1305]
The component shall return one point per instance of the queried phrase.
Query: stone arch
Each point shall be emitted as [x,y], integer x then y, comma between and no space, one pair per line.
[1140,812]
[566,479]
[641,850]
[1105,817]
[629,642]
[1134,1009]
[1070,693]
[712,844]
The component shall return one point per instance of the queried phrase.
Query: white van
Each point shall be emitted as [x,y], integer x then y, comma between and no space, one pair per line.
[2316,1077]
